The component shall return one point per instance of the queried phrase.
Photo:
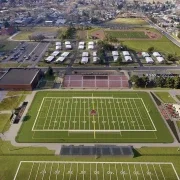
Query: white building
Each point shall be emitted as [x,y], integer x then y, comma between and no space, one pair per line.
[160,59]
[55,53]
[85,54]
[58,47]
[67,43]
[65,54]
[49,59]
[145,54]
[156,54]
[115,53]
[58,43]
[95,53]
[90,46]
[115,58]
[95,59]
[126,53]
[149,60]
[84,60]
[60,59]
[128,58]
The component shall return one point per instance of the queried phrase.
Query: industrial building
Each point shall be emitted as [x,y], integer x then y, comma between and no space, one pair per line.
[20,79]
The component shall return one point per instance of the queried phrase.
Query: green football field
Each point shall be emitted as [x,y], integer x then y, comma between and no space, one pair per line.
[52,170]
[127,34]
[93,117]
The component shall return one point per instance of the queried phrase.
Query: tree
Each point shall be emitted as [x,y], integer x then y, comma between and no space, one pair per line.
[150,49]
[160,81]
[50,71]
[119,60]
[176,82]
[6,24]
[169,82]
[178,35]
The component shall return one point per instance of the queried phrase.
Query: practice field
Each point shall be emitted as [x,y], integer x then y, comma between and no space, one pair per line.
[93,117]
[128,34]
[52,170]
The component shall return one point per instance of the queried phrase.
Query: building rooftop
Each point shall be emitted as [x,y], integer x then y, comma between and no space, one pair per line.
[19,76]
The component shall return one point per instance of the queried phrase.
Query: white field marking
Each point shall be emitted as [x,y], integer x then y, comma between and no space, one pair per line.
[59,125]
[37,170]
[84,115]
[116,172]
[60,129]
[70,114]
[136,171]
[112,115]
[148,115]
[37,114]
[103,170]
[96,172]
[135,117]
[116,114]
[102,113]
[142,171]
[129,171]
[75,112]
[125,114]
[107,113]
[47,115]
[120,112]
[31,171]
[57,112]
[68,162]
[90,172]
[50,172]
[44,170]
[98,115]
[139,114]
[80,115]
[70,170]
[57,170]
[77,171]
[52,113]
[122,171]
[155,172]
[149,171]
[129,112]
[65,116]
[64,171]
[162,171]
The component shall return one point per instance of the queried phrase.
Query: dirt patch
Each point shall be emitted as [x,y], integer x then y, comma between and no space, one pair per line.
[82,34]
[99,34]
[153,35]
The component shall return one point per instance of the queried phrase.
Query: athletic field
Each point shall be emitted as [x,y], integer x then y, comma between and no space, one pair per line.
[53,170]
[93,117]
[128,34]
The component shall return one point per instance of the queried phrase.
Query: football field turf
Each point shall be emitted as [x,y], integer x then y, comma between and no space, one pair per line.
[93,117]
[53,170]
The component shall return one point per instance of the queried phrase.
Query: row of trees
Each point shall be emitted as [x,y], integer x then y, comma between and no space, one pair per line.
[160,81]
[36,37]
[68,33]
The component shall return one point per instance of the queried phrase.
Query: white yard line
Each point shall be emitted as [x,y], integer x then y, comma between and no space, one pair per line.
[139,114]
[62,109]
[31,171]
[136,171]
[122,171]
[50,172]
[47,114]
[80,115]
[102,116]
[116,172]
[44,170]
[107,114]
[77,170]
[155,171]
[111,115]
[57,170]
[57,113]
[162,171]
[70,120]
[149,171]
[142,172]
[126,115]
[116,115]
[37,171]
[52,113]
[103,170]
[149,115]
[75,113]
[120,113]
[129,172]
[134,113]
[64,171]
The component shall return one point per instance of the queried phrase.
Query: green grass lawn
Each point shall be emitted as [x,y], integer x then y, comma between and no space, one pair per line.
[26,32]
[8,45]
[165,97]
[15,93]
[4,122]
[127,34]
[128,21]
[162,45]
[61,117]
[11,102]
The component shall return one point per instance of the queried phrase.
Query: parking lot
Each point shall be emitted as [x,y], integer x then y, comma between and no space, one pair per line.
[27,52]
